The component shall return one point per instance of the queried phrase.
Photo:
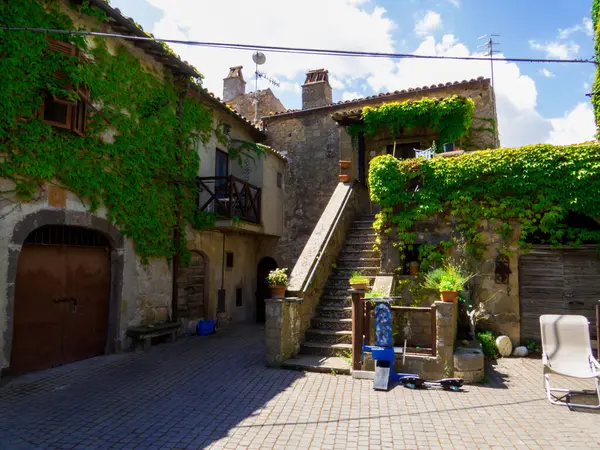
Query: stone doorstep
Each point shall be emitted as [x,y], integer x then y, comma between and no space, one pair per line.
[315,363]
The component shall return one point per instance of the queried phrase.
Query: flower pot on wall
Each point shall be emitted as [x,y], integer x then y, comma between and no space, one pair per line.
[344,164]
[449,296]
[277,291]
[359,286]
[344,177]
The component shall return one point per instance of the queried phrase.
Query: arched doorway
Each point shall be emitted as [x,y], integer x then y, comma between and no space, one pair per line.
[262,286]
[192,287]
[62,290]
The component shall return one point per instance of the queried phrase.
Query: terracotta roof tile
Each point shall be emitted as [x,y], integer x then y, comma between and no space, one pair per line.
[387,94]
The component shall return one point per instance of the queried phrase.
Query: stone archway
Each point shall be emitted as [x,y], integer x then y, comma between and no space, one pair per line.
[76,219]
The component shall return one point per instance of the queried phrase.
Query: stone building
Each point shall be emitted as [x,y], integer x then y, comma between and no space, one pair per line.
[72,283]
[234,93]
[315,139]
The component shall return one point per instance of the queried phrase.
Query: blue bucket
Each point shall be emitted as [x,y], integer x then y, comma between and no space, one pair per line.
[205,327]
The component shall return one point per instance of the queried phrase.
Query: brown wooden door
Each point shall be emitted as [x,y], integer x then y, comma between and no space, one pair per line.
[191,288]
[61,306]
[553,281]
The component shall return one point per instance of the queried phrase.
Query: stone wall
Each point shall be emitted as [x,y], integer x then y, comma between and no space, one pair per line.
[283,331]
[268,104]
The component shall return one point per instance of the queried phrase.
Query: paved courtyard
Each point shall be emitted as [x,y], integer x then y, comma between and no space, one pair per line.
[214,392]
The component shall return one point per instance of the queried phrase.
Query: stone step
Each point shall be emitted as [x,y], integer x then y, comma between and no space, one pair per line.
[328,323]
[316,363]
[329,336]
[358,262]
[358,226]
[357,252]
[336,301]
[316,348]
[334,312]
[336,291]
[348,271]
[358,246]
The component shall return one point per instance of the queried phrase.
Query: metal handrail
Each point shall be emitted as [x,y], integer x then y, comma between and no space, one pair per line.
[330,233]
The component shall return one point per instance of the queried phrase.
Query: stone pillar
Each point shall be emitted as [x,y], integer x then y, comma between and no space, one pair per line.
[389,255]
[282,329]
[446,316]
[358,314]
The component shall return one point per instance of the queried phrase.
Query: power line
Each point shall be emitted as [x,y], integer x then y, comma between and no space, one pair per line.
[294,50]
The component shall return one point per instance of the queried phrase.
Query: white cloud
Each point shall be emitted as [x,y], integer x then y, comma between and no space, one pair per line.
[586,26]
[575,126]
[556,50]
[275,22]
[586,87]
[347,95]
[455,3]
[430,22]
[283,23]
[547,73]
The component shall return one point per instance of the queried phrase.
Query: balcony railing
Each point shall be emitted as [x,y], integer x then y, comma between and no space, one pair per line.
[229,197]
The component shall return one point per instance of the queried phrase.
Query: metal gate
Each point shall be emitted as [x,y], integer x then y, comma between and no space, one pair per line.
[61,298]
[558,281]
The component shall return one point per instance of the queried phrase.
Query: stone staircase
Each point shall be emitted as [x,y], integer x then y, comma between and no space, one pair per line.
[330,333]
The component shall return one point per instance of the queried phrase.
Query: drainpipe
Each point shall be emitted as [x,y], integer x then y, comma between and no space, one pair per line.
[177,230]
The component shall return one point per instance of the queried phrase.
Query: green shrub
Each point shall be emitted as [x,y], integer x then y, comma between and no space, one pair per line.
[488,343]
[358,278]
[446,278]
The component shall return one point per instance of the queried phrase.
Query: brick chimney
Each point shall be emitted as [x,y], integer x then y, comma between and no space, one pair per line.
[233,84]
[316,90]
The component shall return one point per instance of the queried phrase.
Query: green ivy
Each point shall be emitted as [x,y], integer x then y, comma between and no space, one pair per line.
[534,186]
[596,87]
[140,175]
[451,117]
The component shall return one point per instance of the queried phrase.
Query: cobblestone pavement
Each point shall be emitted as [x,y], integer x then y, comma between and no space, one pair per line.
[214,392]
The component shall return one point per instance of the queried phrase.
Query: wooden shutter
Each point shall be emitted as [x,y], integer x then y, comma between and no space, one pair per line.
[62,47]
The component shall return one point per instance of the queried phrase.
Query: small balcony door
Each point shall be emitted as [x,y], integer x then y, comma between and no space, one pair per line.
[221,170]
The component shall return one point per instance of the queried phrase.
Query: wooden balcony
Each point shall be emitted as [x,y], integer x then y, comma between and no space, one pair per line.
[229,197]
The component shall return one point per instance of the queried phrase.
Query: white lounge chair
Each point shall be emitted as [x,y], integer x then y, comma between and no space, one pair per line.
[567,351]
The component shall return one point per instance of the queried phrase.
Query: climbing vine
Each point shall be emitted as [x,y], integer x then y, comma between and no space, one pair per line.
[596,87]
[535,187]
[450,116]
[138,158]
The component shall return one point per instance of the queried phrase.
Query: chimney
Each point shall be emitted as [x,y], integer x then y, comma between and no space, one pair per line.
[316,90]
[233,84]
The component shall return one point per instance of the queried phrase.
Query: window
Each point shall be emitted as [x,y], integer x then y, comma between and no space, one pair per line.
[229,259]
[279,179]
[238,297]
[64,111]
[404,151]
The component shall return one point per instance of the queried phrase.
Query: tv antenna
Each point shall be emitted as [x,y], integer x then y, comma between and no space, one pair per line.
[490,49]
[259,59]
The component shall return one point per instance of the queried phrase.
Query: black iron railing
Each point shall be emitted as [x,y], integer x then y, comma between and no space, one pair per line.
[229,197]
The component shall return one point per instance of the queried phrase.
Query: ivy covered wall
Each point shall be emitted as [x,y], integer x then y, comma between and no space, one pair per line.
[596,87]
[128,159]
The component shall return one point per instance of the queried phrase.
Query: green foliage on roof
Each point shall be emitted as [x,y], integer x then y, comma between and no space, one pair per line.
[450,116]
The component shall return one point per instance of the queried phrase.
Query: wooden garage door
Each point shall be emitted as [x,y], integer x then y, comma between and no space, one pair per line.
[565,281]
[61,305]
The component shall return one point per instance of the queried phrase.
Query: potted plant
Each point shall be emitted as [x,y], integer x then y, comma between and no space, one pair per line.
[344,177]
[358,281]
[448,281]
[278,281]
[414,267]
[344,164]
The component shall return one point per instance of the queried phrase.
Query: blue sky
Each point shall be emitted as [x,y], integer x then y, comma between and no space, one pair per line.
[536,102]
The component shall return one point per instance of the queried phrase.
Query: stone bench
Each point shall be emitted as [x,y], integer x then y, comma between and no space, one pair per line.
[144,334]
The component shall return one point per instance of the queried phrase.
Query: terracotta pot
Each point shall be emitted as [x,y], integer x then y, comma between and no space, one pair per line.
[360,286]
[344,178]
[344,164]
[449,296]
[414,267]
[277,291]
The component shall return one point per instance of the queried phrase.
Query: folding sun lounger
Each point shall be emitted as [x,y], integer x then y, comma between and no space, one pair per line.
[567,351]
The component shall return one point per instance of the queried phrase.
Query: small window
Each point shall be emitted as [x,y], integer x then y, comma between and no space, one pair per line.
[238,297]
[229,260]
[279,179]
[65,112]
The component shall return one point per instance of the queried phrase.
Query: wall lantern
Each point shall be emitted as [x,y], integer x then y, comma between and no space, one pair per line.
[502,270]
